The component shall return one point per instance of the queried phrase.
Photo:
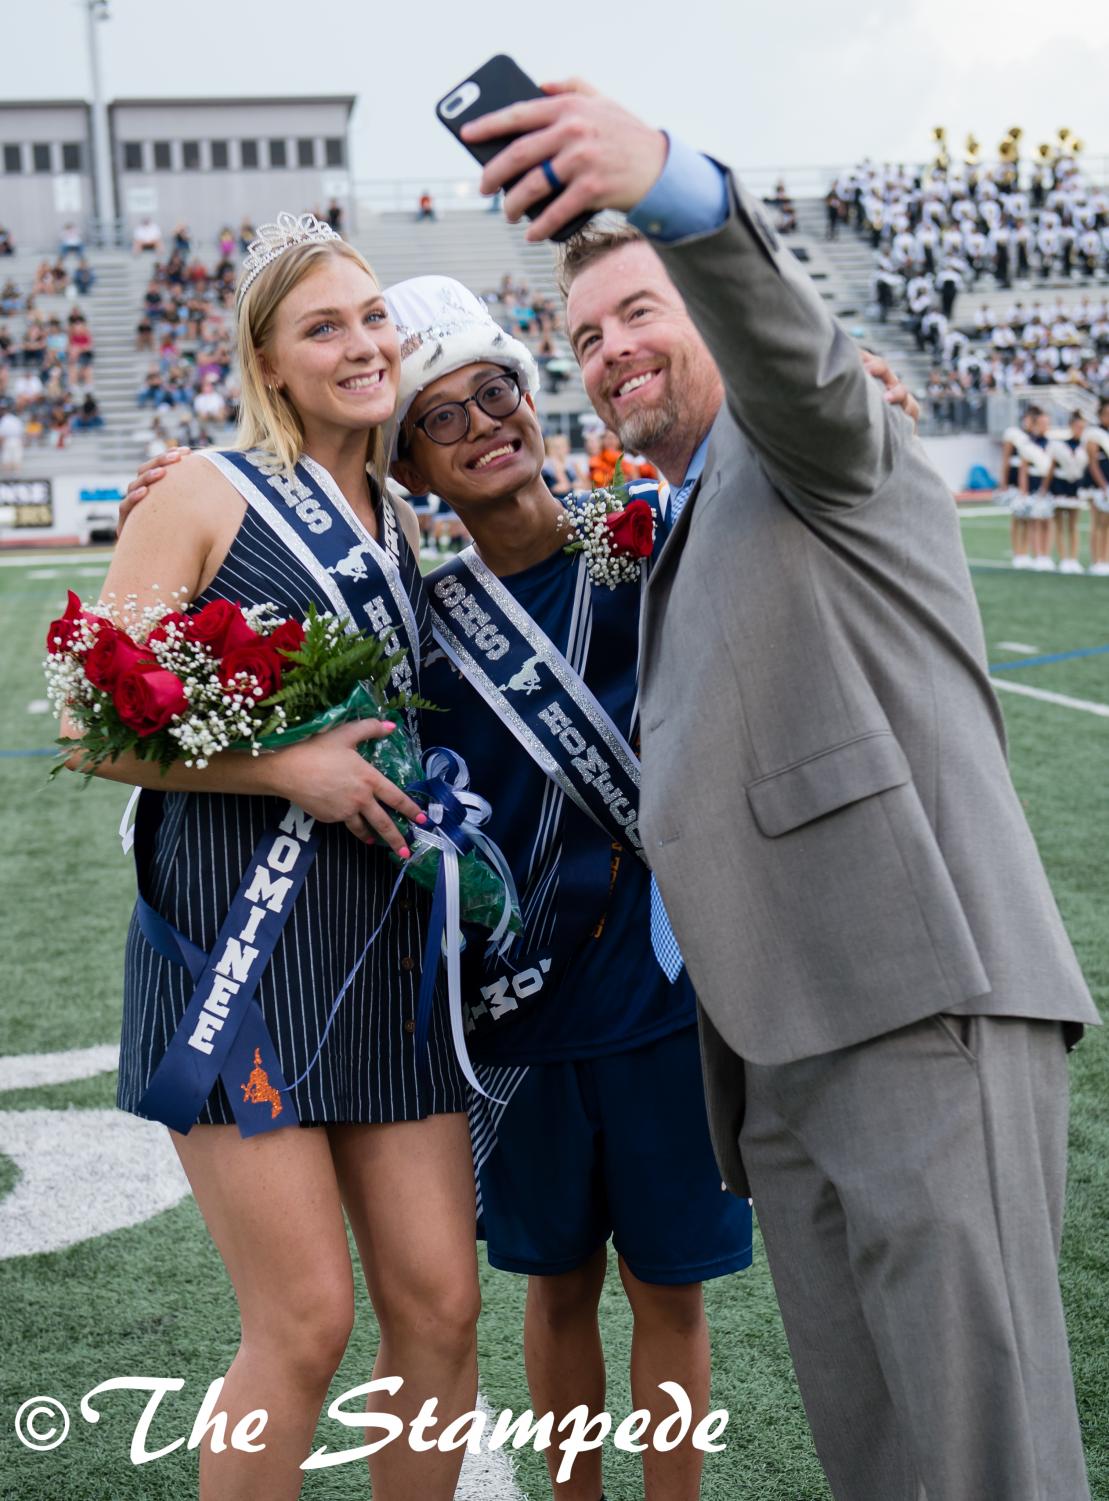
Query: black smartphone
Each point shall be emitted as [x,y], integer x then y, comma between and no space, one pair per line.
[497,84]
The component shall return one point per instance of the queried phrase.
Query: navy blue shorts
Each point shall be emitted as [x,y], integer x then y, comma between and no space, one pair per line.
[614,1146]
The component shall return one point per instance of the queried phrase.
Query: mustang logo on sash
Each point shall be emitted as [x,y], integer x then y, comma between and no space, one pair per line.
[527,680]
[259,1091]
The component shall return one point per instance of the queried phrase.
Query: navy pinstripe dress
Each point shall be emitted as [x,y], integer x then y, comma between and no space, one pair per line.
[367,1071]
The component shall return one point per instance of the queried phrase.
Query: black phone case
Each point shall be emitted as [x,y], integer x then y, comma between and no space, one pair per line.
[501,82]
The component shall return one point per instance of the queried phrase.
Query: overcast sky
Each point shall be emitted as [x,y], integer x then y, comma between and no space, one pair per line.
[797,82]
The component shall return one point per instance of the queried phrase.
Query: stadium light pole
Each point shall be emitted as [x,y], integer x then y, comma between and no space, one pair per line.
[95,12]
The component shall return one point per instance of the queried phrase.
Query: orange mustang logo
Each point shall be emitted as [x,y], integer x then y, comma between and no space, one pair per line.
[259,1090]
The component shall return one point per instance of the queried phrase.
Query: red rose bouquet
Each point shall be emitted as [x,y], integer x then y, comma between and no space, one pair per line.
[183,686]
[615,532]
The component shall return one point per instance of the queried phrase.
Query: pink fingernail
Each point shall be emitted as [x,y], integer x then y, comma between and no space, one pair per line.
[422,818]
[388,725]
[404,852]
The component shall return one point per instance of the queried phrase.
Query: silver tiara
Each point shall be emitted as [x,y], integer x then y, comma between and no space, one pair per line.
[274,239]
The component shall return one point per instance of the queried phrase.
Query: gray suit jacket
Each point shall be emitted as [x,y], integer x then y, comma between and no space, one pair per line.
[826,798]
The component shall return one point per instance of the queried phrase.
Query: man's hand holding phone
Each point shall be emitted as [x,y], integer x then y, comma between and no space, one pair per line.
[602,155]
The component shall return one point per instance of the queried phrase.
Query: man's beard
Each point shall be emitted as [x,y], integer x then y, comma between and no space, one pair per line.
[641,430]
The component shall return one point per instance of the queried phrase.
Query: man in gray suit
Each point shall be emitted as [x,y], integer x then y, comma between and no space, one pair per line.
[885,982]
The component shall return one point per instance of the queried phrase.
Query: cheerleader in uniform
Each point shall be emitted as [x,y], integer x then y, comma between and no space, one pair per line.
[377,1136]
[1066,471]
[1041,507]
[1096,491]
[1015,444]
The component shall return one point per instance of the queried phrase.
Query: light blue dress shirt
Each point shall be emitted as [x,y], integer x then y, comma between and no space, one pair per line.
[690,197]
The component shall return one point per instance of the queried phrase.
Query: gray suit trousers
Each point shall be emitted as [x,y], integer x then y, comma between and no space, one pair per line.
[910,1195]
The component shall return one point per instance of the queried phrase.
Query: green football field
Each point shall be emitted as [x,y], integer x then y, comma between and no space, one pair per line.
[105,1267]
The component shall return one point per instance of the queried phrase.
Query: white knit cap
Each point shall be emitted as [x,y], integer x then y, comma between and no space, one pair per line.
[442,327]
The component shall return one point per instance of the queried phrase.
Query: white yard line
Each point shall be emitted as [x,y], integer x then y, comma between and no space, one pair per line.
[1061,699]
[1021,648]
[31,1070]
[82,1174]
[36,560]
[39,706]
[981,513]
[489,1475]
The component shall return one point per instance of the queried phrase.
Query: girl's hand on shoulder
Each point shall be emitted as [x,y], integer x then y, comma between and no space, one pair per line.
[149,474]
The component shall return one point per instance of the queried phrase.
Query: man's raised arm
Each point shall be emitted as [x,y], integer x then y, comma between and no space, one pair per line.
[794,379]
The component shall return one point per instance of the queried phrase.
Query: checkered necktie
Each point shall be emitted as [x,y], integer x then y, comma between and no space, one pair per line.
[678,500]
[665,945]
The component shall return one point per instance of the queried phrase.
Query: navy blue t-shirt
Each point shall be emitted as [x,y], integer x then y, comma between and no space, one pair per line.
[591,907]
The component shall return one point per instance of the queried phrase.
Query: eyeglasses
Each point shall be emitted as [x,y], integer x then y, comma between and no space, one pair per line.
[449,423]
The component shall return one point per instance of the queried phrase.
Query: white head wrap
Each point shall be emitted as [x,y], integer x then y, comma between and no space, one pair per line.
[442,327]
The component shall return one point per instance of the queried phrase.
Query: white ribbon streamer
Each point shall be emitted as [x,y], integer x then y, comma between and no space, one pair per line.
[127,822]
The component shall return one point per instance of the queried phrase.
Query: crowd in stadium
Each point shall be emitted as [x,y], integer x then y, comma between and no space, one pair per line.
[186,325]
[47,356]
[1020,344]
[537,322]
[937,235]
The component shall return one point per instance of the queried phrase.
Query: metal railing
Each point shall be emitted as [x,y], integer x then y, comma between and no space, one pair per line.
[380,195]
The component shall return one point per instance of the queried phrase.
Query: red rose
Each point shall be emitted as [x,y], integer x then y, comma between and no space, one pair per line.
[60,633]
[632,530]
[147,701]
[161,630]
[114,653]
[220,627]
[289,636]
[259,660]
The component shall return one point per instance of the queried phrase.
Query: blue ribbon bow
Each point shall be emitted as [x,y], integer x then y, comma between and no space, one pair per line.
[455,817]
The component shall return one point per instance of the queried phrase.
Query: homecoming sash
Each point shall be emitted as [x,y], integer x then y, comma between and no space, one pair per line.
[223,1033]
[529,684]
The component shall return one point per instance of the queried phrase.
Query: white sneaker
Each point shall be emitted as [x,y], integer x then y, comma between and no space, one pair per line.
[1021,560]
[1044,565]
[1071,565]
[1099,570]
